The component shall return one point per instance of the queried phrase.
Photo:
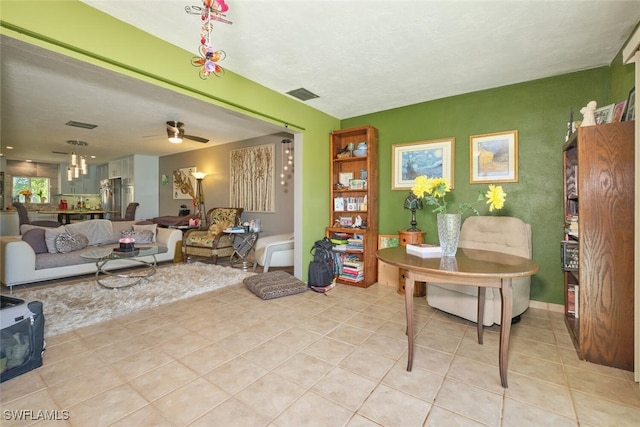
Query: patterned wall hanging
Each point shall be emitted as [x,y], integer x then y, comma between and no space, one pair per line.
[184,183]
[252,181]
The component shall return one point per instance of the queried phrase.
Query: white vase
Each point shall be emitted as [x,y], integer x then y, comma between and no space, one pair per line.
[449,232]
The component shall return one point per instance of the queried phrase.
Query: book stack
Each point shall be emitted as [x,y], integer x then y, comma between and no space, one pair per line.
[352,271]
[339,244]
[355,245]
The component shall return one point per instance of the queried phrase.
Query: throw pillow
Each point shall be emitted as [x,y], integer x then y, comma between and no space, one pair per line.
[50,235]
[35,239]
[274,284]
[151,227]
[98,231]
[66,242]
[143,236]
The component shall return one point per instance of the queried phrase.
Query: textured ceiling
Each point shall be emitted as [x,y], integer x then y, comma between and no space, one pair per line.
[366,56]
[358,56]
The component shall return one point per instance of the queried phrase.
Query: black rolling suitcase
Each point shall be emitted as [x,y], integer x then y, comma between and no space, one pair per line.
[22,337]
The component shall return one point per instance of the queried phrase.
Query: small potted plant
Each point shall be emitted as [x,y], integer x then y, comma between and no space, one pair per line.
[40,194]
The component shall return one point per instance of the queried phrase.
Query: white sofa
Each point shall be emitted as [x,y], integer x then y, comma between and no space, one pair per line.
[20,264]
[498,234]
[274,251]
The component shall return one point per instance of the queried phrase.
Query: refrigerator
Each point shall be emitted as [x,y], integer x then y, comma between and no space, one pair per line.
[111,197]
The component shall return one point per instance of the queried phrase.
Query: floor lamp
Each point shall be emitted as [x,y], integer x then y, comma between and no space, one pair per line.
[200,211]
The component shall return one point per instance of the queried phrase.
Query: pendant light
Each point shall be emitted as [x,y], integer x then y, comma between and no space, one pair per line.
[286,159]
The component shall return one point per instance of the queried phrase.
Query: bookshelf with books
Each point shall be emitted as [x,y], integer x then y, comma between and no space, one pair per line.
[354,203]
[597,246]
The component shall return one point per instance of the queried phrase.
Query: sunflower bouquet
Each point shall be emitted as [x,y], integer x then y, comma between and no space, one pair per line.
[434,192]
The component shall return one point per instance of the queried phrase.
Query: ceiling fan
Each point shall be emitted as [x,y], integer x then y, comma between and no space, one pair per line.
[175,132]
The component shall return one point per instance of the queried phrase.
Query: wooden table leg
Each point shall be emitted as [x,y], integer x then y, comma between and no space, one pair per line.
[408,303]
[482,291]
[505,329]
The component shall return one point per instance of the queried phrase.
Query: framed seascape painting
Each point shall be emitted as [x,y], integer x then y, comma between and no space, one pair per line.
[432,158]
[494,157]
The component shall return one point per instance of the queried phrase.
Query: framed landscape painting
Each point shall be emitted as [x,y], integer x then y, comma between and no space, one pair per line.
[388,241]
[494,157]
[431,158]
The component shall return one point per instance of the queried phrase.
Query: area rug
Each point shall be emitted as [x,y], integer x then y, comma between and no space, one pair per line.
[72,306]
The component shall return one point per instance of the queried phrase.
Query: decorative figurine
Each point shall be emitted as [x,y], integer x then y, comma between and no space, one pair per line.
[588,114]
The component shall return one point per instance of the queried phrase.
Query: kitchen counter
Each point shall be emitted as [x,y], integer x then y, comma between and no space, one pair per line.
[64,215]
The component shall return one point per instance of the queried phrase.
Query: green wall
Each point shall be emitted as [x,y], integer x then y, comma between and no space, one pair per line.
[539,110]
[622,79]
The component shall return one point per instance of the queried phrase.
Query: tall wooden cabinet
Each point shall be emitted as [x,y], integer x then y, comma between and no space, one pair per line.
[598,246]
[354,204]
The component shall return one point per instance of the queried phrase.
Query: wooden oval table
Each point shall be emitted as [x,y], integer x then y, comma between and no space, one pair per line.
[470,267]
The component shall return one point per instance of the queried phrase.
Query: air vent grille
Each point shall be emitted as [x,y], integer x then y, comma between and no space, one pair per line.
[302,94]
[81,125]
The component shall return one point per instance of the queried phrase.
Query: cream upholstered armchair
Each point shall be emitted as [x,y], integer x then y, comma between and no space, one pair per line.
[492,233]
[274,251]
[211,242]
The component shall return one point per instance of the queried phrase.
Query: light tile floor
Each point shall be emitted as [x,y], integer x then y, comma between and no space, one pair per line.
[227,358]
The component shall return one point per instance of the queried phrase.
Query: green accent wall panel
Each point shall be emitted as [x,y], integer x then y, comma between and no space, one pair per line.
[539,110]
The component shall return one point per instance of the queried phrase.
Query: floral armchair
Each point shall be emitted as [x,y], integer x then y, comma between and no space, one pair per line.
[211,242]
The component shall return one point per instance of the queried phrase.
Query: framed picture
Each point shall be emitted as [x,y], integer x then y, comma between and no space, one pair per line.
[184,183]
[432,158]
[356,184]
[618,111]
[630,110]
[346,221]
[494,157]
[345,178]
[388,241]
[604,114]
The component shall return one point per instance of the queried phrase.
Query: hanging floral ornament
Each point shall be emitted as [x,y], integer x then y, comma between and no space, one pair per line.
[208,60]
[211,10]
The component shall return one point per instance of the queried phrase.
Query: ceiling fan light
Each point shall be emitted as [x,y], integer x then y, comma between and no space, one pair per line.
[175,132]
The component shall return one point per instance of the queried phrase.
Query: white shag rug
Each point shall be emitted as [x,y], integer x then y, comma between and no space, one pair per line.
[69,307]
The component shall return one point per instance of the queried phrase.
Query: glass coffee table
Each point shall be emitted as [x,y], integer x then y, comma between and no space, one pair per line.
[103,256]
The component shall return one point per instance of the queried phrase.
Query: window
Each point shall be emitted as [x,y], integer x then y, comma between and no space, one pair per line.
[30,189]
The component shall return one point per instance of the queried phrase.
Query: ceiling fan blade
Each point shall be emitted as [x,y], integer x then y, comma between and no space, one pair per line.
[196,138]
